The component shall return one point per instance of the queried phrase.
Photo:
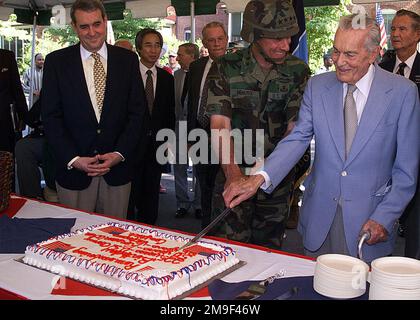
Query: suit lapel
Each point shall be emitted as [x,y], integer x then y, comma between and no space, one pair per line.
[388,65]
[415,71]
[77,78]
[333,107]
[377,103]
[159,89]
[111,73]
[203,64]
[197,84]
[179,82]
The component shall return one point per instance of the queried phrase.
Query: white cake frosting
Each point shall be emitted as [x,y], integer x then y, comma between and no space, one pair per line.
[136,261]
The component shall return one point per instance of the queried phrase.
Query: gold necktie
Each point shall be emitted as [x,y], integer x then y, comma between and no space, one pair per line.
[99,77]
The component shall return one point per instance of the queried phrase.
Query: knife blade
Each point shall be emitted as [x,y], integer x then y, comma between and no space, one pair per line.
[206,229]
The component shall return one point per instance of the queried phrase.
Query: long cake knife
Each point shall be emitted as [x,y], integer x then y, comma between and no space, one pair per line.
[206,229]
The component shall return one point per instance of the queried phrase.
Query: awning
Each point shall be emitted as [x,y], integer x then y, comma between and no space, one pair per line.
[25,9]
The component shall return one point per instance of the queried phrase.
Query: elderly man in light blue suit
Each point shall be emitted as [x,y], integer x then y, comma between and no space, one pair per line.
[357,184]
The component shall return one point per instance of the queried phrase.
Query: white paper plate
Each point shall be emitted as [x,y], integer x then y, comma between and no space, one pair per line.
[337,293]
[342,264]
[340,277]
[398,266]
[379,292]
[394,281]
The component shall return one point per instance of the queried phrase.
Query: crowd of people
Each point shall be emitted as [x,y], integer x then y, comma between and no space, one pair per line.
[96,110]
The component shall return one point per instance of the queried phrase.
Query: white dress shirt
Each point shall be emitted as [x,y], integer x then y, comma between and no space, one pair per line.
[361,94]
[88,62]
[360,97]
[409,62]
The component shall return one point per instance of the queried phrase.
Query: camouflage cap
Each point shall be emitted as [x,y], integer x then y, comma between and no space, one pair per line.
[269,19]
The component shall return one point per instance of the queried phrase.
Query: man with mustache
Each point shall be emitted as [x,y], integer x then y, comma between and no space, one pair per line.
[259,87]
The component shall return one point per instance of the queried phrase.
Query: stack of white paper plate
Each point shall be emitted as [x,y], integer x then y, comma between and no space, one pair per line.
[340,276]
[395,278]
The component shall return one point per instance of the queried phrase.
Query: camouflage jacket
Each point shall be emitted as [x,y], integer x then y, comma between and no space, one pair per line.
[240,90]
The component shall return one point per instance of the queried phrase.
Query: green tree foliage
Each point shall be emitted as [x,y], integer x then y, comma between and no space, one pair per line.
[44,46]
[128,27]
[321,24]
[64,36]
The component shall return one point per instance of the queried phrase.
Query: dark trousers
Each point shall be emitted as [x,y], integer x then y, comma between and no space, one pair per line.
[29,153]
[335,241]
[206,175]
[412,227]
[144,197]
[7,143]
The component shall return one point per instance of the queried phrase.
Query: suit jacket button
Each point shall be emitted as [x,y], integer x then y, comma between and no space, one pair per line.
[344,173]
[95,152]
[98,131]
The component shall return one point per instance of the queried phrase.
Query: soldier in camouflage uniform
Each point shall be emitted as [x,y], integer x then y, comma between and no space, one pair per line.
[259,87]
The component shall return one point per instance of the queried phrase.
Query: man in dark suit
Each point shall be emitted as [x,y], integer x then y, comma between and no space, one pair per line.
[92,108]
[160,114]
[11,93]
[405,35]
[215,40]
[187,53]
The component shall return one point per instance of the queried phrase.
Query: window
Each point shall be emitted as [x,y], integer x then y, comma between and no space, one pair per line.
[187,35]
[236,26]
[388,15]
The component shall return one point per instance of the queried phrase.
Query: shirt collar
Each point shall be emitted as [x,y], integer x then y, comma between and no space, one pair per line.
[364,84]
[409,62]
[85,54]
[143,69]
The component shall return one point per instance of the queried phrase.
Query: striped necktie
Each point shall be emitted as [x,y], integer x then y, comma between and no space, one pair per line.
[150,96]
